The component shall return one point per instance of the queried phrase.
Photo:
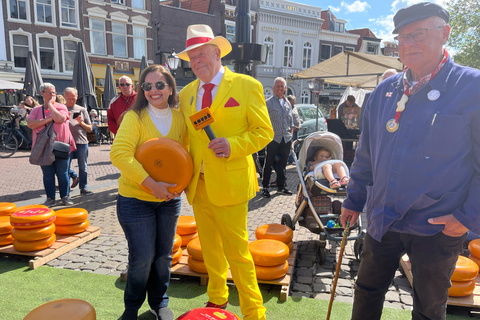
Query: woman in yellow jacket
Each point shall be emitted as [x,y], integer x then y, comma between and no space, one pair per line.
[148,220]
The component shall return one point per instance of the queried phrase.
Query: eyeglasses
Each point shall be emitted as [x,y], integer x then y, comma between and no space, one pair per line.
[160,85]
[125,84]
[417,36]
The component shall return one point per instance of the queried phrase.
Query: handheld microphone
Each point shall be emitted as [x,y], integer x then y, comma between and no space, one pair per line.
[202,120]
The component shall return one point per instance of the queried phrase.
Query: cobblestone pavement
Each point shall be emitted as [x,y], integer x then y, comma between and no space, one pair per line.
[22,184]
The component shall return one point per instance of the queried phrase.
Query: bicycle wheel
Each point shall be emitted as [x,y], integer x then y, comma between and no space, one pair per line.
[8,145]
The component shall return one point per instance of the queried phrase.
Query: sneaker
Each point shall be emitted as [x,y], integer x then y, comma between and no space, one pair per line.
[218,306]
[67,201]
[284,191]
[265,193]
[75,182]
[49,203]
[85,192]
[162,313]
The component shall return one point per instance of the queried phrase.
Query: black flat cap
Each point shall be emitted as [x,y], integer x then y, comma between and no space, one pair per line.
[418,12]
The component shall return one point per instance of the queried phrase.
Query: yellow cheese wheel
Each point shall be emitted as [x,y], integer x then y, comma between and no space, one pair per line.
[34,245]
[176,255]
[177,242]
[274,231]
[71,216]
[187,238]
[7,208]
[33,234]
[461,288]
[186,225]
[290,246]
[474,247]
[6,239]
[268,252]
[197,265]
[271,273]
[194,249]
[475,259]
[71,309]
[465,269]
[5,226]
[31,206]
[32,218]
[166,160]
[73,228]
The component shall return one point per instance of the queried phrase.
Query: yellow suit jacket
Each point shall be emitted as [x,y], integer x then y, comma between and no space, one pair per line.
[246,126]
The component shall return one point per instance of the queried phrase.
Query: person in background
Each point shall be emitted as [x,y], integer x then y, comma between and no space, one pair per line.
[95,121]
[148,219]
[30,102]
[388,73]
[80,125]
[417,168]
[37,120]
[120,104]
[350,102]
[297,122]
[60,99]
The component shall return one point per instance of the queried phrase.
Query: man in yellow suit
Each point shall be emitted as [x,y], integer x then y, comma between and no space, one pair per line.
[224,178]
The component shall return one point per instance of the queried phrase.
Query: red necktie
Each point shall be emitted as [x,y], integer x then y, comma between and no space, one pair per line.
[207,95]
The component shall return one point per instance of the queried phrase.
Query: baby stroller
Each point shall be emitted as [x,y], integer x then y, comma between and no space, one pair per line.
[314,204]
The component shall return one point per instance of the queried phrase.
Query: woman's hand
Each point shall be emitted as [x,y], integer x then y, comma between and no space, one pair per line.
[160,189]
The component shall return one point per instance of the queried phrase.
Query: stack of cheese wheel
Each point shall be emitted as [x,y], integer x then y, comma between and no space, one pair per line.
[6,209]
[71,221]
[276,231]
[33,228]
[177,250]
[474,248]
[187,229]
[463,278]
[270,258]
[195,256]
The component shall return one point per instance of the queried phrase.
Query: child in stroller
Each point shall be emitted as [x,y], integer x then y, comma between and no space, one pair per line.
[324,168]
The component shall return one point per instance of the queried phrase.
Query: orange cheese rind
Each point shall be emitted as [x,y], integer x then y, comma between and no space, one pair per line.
[186,225]
[268,252]
[274,231]
[465,270]
[70,216]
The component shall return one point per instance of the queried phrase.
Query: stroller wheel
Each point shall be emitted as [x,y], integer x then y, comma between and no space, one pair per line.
[358,248]
[287,221]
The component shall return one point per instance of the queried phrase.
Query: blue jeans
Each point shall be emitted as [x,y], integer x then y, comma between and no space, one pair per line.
[81,154]
[60,168]
[150,231]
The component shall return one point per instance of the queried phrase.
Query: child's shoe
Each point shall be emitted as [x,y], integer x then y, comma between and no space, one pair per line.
[344,181]
[334,184]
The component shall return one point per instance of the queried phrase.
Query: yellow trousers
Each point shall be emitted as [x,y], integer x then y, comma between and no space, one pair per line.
[224,240]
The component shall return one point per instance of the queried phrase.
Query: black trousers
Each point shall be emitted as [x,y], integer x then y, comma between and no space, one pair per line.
[433,260]
[275,149]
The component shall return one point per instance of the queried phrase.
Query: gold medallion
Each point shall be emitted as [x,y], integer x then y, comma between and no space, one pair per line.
[392,125]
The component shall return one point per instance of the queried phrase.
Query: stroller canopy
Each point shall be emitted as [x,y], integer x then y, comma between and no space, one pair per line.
[315,140]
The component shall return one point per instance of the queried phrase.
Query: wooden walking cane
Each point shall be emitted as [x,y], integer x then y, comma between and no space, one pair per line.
[346,233]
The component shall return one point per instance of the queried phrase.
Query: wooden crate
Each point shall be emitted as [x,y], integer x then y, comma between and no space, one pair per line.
[63,244]
[472,300]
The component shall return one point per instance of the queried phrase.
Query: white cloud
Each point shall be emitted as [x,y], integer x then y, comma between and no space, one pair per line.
[357,6]
[333,9]
[399,4]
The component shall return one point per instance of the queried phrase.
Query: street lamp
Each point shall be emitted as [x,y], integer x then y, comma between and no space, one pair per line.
[311,86]
[172,62]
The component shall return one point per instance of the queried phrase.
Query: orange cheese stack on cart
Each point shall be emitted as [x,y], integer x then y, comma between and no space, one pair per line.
[187,229]
[71,221]
[270,258]
[7,208]
[195,256]
[474,248]
[276,231]
[32,217]
[197,265]
[177,250]
[463,278]
[5,231]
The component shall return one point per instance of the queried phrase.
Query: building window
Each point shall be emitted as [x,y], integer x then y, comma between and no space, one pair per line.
[46,47]
[18,9]
[349,49]
[69,50]
[97,36]
[20,50]
[139,36]
[305,96]
[339,27]
[372,49]
[119,38]
[118,1]
[68,13]
[337,50]
[139,4]
[231,33]
[326,52]
[307,55]
[44,11]
[288,54]
[268,42]
[267,92]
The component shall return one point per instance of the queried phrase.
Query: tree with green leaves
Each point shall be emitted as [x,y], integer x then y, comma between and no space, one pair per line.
[465,31]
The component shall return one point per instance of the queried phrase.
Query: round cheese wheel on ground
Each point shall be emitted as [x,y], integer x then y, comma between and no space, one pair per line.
[33,234]
[177,242]
[274,231]
[34,245]
[268,252]
[71,216]
[71,309]
[271,273]
[461,288]
[475,259]
[186,225]
[32,218]
[465,270]
[290,246]
[474,247]
[208,313]
[194,249]
[7,208]
[5,226]
[176,255]
[197,265]
[166,160]
[186,238]
[73,228]
[6,239]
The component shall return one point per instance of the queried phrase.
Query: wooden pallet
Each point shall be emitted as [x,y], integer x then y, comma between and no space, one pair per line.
[63,244]
[472,300]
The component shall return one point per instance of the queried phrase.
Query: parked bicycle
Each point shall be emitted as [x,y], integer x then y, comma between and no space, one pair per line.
[11,137]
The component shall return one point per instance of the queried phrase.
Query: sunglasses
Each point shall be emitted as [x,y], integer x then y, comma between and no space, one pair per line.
[160,85]
[125,84]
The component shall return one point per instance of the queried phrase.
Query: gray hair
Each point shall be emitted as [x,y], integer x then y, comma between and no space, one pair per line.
[126,78]
[280,79]
[71,89]
[46,85]
[388,73]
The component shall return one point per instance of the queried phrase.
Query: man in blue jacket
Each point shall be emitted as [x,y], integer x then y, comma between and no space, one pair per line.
[417,168]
